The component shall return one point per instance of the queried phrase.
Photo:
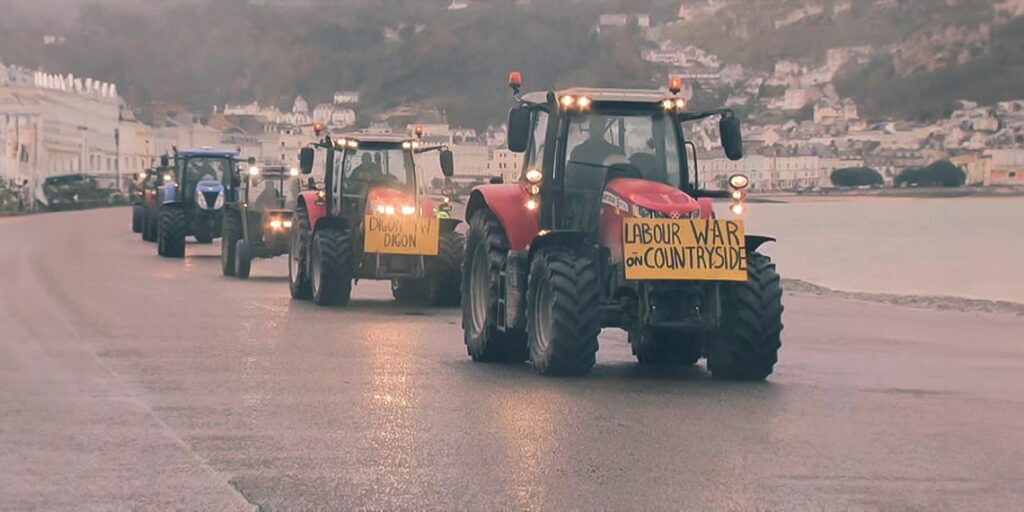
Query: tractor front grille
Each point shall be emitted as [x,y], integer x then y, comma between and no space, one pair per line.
[211,198]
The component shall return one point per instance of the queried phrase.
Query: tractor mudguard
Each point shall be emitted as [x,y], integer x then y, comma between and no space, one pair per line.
[508,202]
[315,211]
[557,239]
[447,225]
[754,241]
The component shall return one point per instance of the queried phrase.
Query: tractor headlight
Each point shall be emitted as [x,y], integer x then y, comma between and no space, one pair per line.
[736,209]
[293,171]
[532,204]
[167,177]
[201,200]
[287,224]
[408,209]
[254,171]
[739,181]
[534,176]
[640,211]
[737,195]
[219,203]
[275,224]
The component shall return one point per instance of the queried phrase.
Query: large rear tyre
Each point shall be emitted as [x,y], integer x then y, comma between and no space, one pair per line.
[486,249]
[444,272]
[664,347]
[333,267]
[298,253]
[747,345]
[243,259]
[136,218]
[563,315]
[171,238]
[231,232]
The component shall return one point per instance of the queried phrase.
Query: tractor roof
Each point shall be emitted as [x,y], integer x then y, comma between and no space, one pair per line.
[376,137]
[207,152]
[610,95]
[275,171]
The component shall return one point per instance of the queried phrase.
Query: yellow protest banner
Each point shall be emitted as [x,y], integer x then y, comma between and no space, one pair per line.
[684,249]
[401,234]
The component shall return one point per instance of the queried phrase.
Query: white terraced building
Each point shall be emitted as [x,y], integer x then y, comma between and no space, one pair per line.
[56,124]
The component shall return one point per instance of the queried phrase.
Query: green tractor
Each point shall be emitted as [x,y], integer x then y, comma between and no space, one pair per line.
[258,226]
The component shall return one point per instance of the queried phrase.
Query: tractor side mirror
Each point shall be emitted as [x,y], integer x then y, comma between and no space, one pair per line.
[164,161]
[447,163]
[518,129]
[251,160]
[306,160]
[496,180]
[732,140]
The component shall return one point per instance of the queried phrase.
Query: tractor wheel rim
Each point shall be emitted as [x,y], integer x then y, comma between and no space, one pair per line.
[316,274]
[479,289]
[542,307]
[293,257]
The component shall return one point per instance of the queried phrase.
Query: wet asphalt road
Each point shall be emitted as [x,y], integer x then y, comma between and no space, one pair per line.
[131,381]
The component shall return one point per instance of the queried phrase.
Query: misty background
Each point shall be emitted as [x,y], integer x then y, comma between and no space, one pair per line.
[452,55]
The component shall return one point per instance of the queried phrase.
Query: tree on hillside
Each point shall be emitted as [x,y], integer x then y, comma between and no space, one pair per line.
[942,173]
[856,177]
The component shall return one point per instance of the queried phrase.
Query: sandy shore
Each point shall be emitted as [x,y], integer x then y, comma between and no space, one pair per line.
[939,302]
[890,193]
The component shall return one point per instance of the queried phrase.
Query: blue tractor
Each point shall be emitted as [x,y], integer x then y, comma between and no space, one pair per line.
[192,202]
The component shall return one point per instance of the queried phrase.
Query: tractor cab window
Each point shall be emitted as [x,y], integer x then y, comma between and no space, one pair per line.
[607,145]
[535,152]
[369,166]
[268,190]
[206,169]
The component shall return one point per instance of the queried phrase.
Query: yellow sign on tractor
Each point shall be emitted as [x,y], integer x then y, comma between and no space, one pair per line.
[684,249]
[401,234]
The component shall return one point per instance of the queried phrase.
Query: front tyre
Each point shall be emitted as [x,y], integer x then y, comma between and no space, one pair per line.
[444,272]
[150,230]
[333,267]
[230,234]
[298,276]
[563,313]
[747,345]
[243,259]
[137,218]
[171,237]
[486,248]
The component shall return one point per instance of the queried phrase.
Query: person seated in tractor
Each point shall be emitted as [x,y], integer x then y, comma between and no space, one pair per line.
[595,150]
[367,170]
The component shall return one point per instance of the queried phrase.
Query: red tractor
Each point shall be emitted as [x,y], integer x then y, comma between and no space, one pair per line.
[608,227]
[364,218]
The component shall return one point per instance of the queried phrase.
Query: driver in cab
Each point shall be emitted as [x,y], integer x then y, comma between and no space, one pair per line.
[366,171]
[595,150]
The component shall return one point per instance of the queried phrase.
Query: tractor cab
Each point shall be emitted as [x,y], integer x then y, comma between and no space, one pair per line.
[592,151]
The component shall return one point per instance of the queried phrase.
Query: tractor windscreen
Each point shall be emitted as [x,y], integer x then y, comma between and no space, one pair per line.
[606,144]
[642,145]
[382,165]
[206,168]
